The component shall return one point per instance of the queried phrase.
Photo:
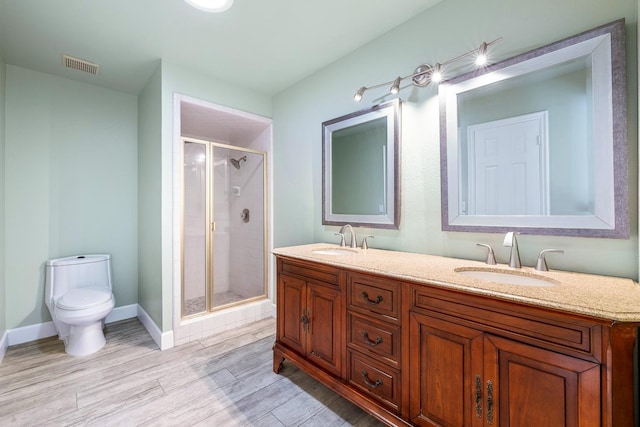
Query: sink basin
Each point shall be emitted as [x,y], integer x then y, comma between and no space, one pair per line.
[506,277]
[335,251]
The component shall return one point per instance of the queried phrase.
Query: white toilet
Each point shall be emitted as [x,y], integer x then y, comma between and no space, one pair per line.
[79,296]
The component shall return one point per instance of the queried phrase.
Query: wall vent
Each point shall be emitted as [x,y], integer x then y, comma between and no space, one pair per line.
[80,64]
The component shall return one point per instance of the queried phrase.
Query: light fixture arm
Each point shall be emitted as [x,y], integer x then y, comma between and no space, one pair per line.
[422,74]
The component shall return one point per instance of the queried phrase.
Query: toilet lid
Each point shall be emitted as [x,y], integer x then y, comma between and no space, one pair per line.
[81,298]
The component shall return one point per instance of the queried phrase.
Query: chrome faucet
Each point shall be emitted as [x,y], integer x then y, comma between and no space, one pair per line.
[510,241]
[344,228]
[541,264]
[491,258]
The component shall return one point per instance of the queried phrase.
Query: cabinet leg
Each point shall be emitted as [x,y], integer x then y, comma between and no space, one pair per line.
[278,360]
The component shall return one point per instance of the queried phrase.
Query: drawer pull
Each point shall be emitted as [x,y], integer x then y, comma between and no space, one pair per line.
[365,335]
[365,296]
[478,397]
[489,402]
[368,382]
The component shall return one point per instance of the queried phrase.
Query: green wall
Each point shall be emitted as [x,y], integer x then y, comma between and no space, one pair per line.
[3,318]
[149,198]
[178,80]
[71,185]
[448,29]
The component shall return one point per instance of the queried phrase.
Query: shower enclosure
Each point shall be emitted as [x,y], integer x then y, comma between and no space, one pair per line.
[223,225]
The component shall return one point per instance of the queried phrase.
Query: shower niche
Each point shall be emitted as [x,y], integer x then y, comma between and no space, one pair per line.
[224,226]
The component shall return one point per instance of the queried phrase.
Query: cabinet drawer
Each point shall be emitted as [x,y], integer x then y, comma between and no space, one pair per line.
[380,339]
[371,295]
[310,271]
[529,324]
[375,379]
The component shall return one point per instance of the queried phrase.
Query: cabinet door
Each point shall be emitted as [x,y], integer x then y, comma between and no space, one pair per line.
[291,311]
[445,373]
[324,307]
[536,387]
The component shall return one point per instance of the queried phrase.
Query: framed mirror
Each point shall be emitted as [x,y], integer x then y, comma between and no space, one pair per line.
[538,143]
[360,168]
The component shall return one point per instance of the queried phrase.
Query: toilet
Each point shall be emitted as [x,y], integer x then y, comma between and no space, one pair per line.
[78,294]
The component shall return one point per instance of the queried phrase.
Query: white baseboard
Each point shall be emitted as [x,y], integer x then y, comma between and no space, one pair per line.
[4,345]
[122,313]
[31,333]
[47,329]
[164,340]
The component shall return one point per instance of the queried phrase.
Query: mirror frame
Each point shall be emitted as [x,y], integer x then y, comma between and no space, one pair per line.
[611,216]
[391,219]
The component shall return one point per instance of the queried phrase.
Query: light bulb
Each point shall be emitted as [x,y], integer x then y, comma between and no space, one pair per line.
[436,76]
[359,93]
[481,59]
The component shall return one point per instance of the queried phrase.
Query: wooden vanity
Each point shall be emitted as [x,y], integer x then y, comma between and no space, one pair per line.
[412,342]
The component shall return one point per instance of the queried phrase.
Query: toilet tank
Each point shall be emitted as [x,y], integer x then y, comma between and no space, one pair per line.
[81,271]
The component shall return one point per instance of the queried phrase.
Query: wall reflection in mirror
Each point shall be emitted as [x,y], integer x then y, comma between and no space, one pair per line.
[360,162]
[538,143]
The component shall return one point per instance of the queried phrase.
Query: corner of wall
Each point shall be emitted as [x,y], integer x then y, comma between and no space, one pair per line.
[149,197]
[3,320]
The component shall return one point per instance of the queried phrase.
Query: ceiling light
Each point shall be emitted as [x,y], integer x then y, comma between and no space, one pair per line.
[358,96]
[214,6]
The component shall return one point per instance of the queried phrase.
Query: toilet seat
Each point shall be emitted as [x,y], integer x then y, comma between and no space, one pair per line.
[83,298]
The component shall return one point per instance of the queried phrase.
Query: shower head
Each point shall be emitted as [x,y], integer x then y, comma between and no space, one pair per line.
[236,163]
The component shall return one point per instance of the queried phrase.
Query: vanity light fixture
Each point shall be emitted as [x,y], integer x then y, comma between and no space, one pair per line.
[436,75]
[482,59]
[425,73]
[213,6]
[395,88]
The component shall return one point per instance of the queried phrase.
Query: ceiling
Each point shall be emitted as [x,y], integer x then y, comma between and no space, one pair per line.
[264,45]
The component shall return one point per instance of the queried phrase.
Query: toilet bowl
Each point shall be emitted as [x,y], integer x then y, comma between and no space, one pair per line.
[78,294]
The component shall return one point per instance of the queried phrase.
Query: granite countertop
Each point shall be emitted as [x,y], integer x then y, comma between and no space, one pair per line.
[610,298]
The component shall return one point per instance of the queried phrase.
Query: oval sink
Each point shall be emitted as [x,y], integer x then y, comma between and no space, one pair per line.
[506,277]
[335,251]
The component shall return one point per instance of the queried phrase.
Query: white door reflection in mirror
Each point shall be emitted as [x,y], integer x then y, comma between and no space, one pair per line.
[508,166]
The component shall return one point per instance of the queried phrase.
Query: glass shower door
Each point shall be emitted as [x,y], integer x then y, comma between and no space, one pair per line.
[195,243]
[224,247]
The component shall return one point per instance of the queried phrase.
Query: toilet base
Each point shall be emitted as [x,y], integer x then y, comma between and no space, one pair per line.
[85,340]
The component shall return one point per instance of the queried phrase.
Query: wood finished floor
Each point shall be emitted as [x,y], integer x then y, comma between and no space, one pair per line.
[225,380]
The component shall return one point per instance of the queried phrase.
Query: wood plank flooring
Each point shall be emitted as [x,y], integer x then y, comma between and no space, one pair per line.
[225,380]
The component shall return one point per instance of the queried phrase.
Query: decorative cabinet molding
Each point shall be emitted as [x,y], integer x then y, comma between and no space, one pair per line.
[416,354]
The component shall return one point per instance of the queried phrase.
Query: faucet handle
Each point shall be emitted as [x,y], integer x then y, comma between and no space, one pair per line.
[342,242]
[510,238]
[491,258]
[365,244]
[541,264]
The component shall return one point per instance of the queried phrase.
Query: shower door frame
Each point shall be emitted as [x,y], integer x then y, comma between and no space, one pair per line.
[210,226]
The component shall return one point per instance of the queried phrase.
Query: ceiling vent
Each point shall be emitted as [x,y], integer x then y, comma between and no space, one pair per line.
[80,64]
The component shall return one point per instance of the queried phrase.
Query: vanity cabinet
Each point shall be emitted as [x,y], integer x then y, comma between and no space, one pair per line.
[309,314]
[374,338]
[413,353]
[464,377]
[475,363]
